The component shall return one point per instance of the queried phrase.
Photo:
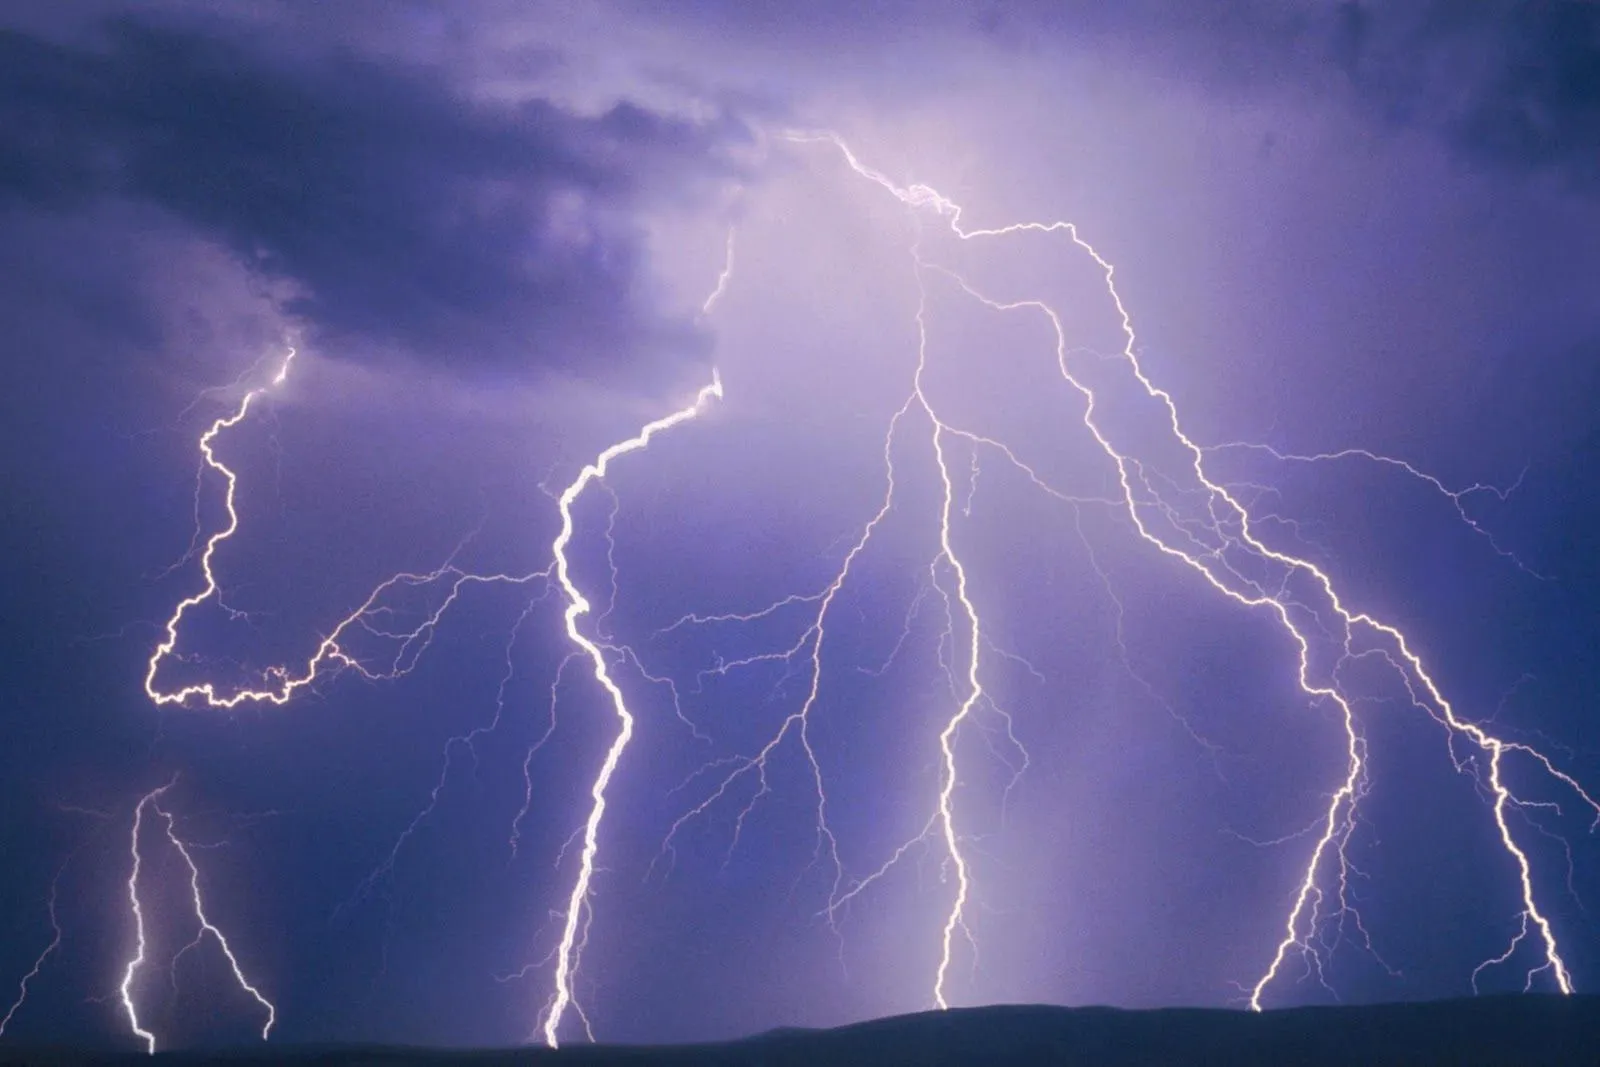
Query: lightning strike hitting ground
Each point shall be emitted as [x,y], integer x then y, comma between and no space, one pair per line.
[570,948]
[370,618]
[197,903]
[947,736]
[137,960]
[1227,522]
[208,927]
[810,643]
[1216,538]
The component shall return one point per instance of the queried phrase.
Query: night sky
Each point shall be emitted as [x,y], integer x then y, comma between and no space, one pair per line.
[491,233]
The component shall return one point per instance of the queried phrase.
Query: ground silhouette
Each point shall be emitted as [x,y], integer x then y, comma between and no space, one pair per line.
[1519,1031]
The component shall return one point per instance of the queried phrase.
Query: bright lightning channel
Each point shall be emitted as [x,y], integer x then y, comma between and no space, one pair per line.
[130,972]
[137,960]
[957,914]
[969,696]
[329,655]
[1229,523]
[570,949]
[1214,545]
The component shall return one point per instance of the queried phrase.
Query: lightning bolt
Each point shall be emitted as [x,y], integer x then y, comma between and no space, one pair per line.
[231,479]
[130,972]
[1457,497]
[49,950]
[330,654]
[810,642]
[137,960]
[569,951]
[957,914]
[373,619]
[208,927]
[969,695]
[1190,517]
[1233,544]
[723,278]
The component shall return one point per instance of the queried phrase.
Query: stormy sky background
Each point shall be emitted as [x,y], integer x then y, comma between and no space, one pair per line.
[488,229]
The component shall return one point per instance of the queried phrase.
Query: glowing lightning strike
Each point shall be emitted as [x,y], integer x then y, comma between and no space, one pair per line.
[1457,497]
[329,654]
[137,961]
[208,927]
[578,606]
[975,691]
[1228,522]
[722,279]
[811,641]
[1215,538]
[131,970]
[166,647]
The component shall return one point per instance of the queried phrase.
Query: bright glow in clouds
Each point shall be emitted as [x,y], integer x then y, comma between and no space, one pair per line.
[1224,527]
[1186,516]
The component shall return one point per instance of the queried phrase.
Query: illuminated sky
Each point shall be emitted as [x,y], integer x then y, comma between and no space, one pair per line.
[489,233]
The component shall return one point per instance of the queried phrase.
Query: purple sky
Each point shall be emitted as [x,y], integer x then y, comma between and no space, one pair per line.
[489,232]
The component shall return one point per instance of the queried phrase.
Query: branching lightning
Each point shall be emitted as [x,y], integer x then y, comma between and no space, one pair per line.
[969,694]
[206,925]
[1233,543]
[570,948]
[329,656]
[372,618]
[1457,497]
[152,801]
[1189,516]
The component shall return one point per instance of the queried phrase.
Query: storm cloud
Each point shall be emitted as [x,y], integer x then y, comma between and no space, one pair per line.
[1514,85]
[407,218]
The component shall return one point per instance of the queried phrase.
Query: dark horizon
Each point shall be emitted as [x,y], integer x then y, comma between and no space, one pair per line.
[1524,1029]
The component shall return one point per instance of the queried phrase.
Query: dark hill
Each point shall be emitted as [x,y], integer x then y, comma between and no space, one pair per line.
[1528,1030]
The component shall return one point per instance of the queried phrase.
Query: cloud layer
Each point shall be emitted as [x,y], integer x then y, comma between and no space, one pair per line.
[408,218]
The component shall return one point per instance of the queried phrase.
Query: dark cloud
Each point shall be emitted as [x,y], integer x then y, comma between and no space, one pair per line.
[409,217]
[1510,81]
[1507,83]
[1542,106]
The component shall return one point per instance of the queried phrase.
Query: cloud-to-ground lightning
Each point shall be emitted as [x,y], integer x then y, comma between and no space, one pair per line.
[136,961]
[570,948]
[1282,579]
[373,619]
[152,801]
[208,927]
[974,693]
[969,693]
[1189,516]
